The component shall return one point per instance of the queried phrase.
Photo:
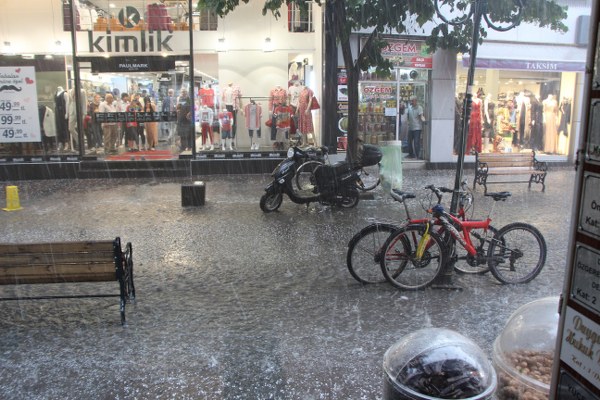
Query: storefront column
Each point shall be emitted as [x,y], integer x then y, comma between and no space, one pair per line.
[492,79]
[443,87]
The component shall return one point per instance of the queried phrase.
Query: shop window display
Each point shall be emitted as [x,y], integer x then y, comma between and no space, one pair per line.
[516,122]
[517,111]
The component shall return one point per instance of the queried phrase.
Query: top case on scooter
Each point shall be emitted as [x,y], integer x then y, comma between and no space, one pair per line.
[328,176]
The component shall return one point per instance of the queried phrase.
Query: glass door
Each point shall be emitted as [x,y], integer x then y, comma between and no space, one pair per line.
[377,111]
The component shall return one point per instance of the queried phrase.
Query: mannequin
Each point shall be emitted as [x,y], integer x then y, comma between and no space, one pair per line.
[474,134]
[277,96]
[523,121]
[206,118]
[225,126]
[489,108]
[47,126]
[305,121]
[207,96]
[232,99]
[537,124]
[253,114]
[72,114]
[60,117]
[550,129]
[294,94]
[283,117]
[563,126]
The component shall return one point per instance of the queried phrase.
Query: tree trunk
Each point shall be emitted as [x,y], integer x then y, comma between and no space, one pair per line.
[353,75]
[329,114]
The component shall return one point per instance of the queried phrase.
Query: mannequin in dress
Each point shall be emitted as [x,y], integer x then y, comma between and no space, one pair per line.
[475,130]
[305,120]
[550,125]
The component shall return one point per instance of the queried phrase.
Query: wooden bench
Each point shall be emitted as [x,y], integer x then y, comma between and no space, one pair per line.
[509,165]
[69,262]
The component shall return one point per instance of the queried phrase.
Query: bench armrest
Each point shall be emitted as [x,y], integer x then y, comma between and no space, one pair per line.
[540,165]
[482,167]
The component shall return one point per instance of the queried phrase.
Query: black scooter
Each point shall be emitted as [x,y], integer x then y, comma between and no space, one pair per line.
[336,184]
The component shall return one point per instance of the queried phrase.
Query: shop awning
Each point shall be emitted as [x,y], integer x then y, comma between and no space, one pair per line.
[525,65]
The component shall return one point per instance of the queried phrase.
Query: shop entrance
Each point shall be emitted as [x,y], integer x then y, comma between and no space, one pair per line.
[140,123]
[380,118]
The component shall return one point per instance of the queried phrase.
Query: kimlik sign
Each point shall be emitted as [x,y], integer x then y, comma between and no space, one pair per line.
[142,41]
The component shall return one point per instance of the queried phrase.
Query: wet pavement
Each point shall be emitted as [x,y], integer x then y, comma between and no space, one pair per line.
[233,303]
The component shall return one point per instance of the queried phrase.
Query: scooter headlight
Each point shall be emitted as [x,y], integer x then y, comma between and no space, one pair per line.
[290,152]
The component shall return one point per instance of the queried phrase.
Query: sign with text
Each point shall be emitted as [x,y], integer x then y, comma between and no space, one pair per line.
[580,347]
[19,117]
[593,141]
[570,389]
[585,287]
[589,211]
[407,53]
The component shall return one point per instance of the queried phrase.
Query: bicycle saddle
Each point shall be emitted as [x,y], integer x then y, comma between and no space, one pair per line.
[499,195]
[400,196]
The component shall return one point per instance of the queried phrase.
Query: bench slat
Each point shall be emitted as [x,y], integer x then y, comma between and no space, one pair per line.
[56,273]
[58,247]
[54,258]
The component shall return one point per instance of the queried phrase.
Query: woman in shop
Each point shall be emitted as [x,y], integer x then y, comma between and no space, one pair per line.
[132,127]
[184,119]
[96,129]
[151,127]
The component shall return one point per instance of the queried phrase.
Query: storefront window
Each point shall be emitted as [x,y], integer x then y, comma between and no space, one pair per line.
[133,69]
[29,128]
[517,110]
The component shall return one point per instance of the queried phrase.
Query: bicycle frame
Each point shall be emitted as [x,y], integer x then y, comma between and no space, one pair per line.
[465,226]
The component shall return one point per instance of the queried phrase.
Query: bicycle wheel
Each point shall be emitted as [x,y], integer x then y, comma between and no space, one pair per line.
[305,175]
[364,251]
[468,264]
[369,177]
[404,267]
[517,253]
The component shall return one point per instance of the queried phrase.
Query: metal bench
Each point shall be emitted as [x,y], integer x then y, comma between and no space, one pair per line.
[69,262]
[504,167]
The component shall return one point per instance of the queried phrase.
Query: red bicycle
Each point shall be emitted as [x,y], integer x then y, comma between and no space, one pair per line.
[414,256]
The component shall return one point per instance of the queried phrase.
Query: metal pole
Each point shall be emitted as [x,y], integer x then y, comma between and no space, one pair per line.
[480,9]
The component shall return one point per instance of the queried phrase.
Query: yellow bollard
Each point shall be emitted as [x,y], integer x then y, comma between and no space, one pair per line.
[12,199]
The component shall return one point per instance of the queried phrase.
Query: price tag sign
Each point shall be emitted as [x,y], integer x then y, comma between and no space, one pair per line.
[585,287]
[580,344]
[19,118]
[589,210]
